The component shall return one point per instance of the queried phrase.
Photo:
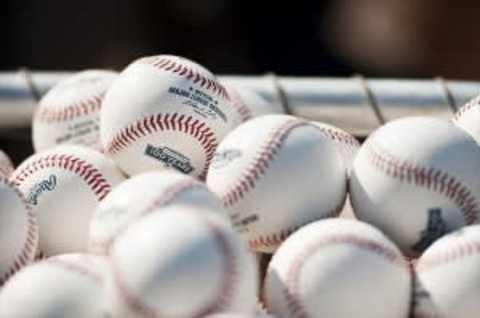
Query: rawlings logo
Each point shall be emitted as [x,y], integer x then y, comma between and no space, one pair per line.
[170,158]
[41,187]
[222,159]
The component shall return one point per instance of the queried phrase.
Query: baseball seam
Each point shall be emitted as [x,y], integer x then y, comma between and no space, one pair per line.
[229,281]
[166,64]
[164,122]
[430,178]
[451,255]
[91,175]
[466,108]
[163,199]
[240,107]
[341,137]
[70,266]
[79,108]
[291,291]
[25,255]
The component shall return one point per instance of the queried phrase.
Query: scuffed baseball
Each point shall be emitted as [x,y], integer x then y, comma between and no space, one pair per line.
[140,196]
[19,231]
[346,144]
[63,286]
[249,104]
[180,263]
[70,112]
[417,179]
[448,272]
[338,268]
[63,186]
[6,165]
[165,112]
[274,174]
[468,118]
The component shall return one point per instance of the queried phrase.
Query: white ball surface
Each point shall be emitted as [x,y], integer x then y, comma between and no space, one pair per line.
[448,273]
[19,231]
[62,286]
[417,179]
[468,118]
[140,196]
[338,268]
[63,186]
[165,111]
[70,112]
[250,104]
[180,263]
[6,166]
[274,174]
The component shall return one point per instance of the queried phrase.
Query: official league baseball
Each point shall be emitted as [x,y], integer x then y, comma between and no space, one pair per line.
[338,268]
[274,174]
[70,112]
[180,262]
[417,179]
[468,118]
[142,195]
[63,186]
[165,112]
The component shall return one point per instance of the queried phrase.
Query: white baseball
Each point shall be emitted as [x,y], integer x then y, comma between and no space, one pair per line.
[63,186]
[141,195]
[70,112]
[449,274]
[6,166]
[274,174]
[417,179]
[19,231]
[165,112]
[63,286]
[180,263]
[250,104]
[468,118]
[338,268]
[346,144]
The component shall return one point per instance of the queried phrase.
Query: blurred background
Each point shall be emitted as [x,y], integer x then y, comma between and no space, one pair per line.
[380,38]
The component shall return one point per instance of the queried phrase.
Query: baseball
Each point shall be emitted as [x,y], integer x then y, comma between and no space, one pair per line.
[449,276]
[70,112]
[141,195]
[250,104]
[417,179]
[468,118]
[165,112]
[6,166]
[346,144]
[256,164]
[63,286]
[63,186]
[180,263]
[338,268]
[19,234]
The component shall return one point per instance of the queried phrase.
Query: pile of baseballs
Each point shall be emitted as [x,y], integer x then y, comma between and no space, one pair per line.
[162,192]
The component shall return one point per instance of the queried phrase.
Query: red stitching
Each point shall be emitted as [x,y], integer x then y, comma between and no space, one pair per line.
[6,167]
[261,163]
[25,255]
[446,256]
[291,293]
[167,64]
[466,108]
[165,198]
[229,281]
[239,106]
[275,239]
[426,177]
[91,175]
[340,136]
[160,122]
[86,106]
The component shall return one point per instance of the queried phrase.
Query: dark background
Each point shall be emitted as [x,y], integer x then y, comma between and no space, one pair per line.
[381,38]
